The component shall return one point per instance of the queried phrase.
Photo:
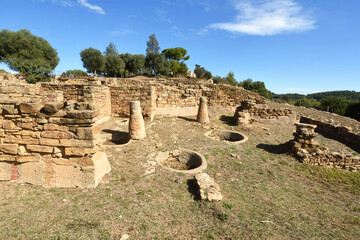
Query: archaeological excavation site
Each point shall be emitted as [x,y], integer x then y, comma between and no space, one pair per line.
[138,151]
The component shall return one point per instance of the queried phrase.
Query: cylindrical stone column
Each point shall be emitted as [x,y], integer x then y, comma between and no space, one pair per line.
[136,122]
[202,115]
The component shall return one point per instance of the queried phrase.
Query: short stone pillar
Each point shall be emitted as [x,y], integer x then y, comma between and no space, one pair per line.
[136,122]
[203,116]
[305,134]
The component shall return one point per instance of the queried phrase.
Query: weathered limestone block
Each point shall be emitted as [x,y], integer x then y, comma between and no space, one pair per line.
[209,189]
[56,135]
[7,158]
[11,139]
[5,171]
[49,142]
[10,109]
[85,133]
[70,151]
[53,107]
[35,157]
[55,127]
[9,125]
[136,122]
[202,115]
[84,114]
[31,172]
[9,148]
[39,148]
[77,143]
[31,108]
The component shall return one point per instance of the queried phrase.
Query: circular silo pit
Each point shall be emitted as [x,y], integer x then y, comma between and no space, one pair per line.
[182,161]
[232,137]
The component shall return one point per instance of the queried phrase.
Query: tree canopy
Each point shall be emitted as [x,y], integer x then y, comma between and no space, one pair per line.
[152,45]
[27,54]
[114,65]
[154,61]
[92,60]
[176,54]
[111,50]
[201,72]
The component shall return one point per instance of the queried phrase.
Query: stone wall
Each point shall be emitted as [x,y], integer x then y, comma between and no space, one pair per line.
[344,133]
[52,144]
[95,96]
[250,110]
[309,151]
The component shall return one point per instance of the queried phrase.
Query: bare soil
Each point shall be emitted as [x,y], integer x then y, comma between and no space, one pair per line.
[267,193]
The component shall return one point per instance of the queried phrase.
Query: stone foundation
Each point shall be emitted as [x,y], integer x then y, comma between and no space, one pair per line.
[52,144]
[251,110]
[309,151]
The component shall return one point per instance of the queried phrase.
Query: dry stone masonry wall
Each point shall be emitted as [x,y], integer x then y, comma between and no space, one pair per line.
[50,144]
[309,151]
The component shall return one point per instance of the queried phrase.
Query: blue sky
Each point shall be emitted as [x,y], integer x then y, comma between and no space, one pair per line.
[299,46]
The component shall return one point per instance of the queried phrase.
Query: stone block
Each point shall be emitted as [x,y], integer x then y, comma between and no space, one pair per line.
[50,142]
[5,171]
[10,109]
[68,176]
[85,114]
[35,157]
[7,158]
[69,151]
[30,133]
[31,172]
[85,133]
[76,143]
[9,148]
[25,141]
[209,189]
[53,107]
[9,125]
[56,135]
[31,108]
[40,149]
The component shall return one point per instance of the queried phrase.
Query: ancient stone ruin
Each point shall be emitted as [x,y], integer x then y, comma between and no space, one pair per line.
[203,116]
[308,151]
[49,132]
[255,110]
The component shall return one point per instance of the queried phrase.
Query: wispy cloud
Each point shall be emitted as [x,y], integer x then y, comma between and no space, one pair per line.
[267,17]
[162,15]
[92,7]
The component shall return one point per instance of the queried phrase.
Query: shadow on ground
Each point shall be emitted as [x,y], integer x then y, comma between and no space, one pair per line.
[283,148]
[229,120]
[193,189]
[117,137]
[188,119]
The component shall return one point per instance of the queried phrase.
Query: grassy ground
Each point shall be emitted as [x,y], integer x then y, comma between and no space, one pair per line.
[267,193]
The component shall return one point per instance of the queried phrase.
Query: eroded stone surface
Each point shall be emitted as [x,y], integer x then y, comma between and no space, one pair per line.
[209,189]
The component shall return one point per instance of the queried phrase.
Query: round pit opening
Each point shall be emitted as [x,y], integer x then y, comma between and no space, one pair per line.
[232,137]
[182,161]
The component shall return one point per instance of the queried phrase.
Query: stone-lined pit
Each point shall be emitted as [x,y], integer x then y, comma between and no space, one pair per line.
[228,136]
[182,161]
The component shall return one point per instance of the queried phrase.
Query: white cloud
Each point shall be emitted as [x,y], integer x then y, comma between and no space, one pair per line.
[267,17]
[95,8]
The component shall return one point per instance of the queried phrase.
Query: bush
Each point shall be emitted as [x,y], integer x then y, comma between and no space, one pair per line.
[75,73]
[309,103]
[353,110]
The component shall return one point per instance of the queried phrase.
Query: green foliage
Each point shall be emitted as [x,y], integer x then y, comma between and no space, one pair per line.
[349,95]
[353,110]
[176,54]
[2,71]
[201,72]
[152,45]
[334,105]
[111,50]
[75,73]
[231,78]
[114,65]
[256,86]
[309,103]
[154,61]
[288,97]
[28,54]
[92,60]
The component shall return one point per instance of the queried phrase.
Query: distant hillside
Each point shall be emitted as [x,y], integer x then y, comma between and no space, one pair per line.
[349,95]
